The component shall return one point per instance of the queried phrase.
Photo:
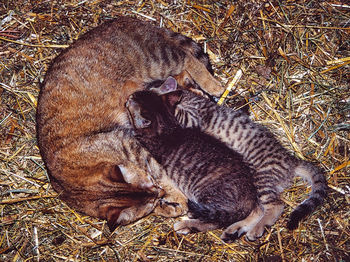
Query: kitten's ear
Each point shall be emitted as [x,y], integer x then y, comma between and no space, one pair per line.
[168,86]
[135,116]
[174,98]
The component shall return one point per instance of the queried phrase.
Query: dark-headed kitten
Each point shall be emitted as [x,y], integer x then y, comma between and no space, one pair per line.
[274,166]
[214,178]
[82,126]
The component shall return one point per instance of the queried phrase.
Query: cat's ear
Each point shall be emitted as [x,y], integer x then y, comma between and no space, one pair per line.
[168,86]
[174,97]
[112,218]
[138,121]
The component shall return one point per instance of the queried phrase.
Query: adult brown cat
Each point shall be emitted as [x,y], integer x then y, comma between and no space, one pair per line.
[274,166]
[82,125]
[216,181]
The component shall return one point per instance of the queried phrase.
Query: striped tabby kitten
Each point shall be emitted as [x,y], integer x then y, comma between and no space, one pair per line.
[274,166]
[214,178]
[84,135]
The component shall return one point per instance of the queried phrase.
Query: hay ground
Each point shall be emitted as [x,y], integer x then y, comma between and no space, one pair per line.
[295,58]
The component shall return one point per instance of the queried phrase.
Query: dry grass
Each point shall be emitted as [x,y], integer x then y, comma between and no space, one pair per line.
[295,59]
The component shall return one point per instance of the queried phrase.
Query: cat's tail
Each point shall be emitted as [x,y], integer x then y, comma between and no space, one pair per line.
[319,187]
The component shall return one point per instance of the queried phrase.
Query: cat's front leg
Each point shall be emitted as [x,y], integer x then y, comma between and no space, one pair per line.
[173,203]
[134,213]
[193,225]
[116,215]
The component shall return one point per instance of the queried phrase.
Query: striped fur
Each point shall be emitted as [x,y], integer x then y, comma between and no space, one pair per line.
[214,178]
[82,124]
[274,166]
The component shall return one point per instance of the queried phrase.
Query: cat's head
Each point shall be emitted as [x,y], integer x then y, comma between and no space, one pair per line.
[186,108]
[152,113]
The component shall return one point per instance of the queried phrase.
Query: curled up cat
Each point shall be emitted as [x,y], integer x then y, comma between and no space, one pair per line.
[84,135]
[274,167]
[214,178]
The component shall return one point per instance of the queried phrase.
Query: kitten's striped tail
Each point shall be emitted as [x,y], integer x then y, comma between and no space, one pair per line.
[319,186]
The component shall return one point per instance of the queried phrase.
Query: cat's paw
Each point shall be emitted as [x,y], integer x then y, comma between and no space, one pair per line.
[169,209]
[154,190]
[193,226]
[182,228]
[228,237]
[232,233]
[255,233]
[125,217]
[250,225]
[133,213]
[190,215]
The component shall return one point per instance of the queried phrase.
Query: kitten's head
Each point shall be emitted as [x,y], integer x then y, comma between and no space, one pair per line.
[186,108]
[152,113]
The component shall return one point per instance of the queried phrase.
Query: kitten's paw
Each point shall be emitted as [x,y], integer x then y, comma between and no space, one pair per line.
[229,238]
[232,233]
[249,225]
[193,226]
[190,214]
[181,228]
[255,233]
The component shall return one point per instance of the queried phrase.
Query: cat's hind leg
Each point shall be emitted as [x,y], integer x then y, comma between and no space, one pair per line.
[272,212]
[193,225]
[237,229]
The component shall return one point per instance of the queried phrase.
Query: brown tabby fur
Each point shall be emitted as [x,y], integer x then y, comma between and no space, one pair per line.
[82,125]
[216,181]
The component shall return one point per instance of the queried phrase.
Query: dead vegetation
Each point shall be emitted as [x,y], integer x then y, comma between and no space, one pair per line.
[295,58]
